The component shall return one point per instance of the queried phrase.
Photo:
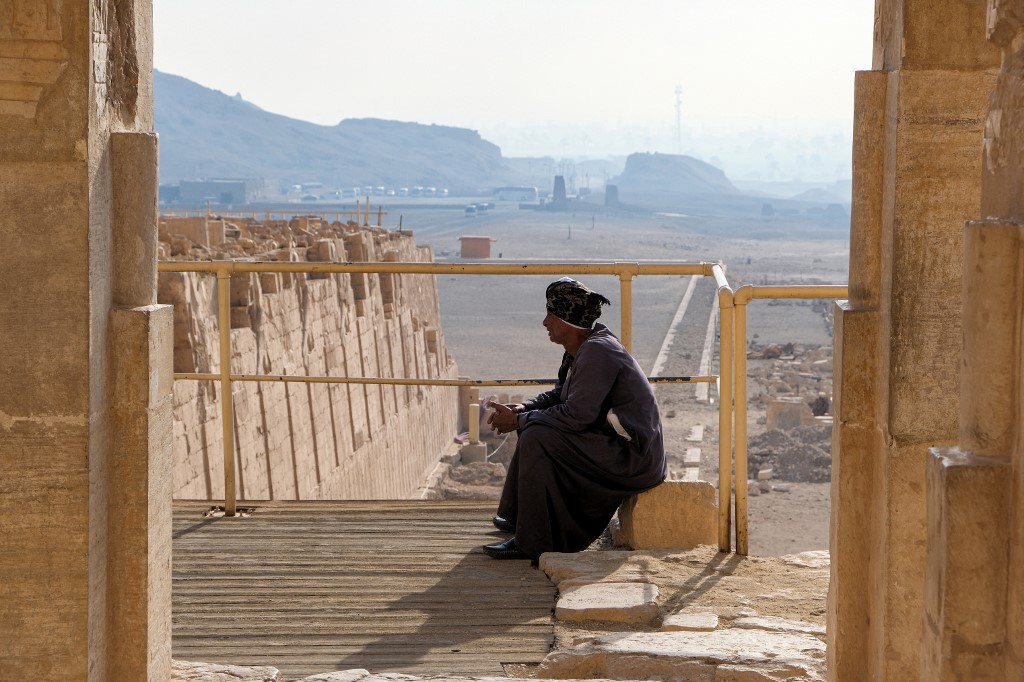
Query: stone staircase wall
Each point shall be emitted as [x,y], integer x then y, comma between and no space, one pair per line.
[299,440]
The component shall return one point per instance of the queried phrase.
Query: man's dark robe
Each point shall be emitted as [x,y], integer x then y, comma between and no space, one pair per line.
[571,468]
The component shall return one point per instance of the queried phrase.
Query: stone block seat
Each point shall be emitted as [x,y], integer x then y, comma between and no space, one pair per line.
[672,515]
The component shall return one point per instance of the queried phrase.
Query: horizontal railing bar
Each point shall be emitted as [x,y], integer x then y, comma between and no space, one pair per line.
[798,291]
[608,268]
[197,212]
[416,382]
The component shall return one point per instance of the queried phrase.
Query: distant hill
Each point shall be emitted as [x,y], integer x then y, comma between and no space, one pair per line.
[669,182]
[821,196]
[207,134]
[840,191]
[673,174]
[676,182]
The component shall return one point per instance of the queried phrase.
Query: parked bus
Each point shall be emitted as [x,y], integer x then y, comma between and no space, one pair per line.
[516,193]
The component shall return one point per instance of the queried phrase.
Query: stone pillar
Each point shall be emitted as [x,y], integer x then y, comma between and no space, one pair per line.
[84,523]
[974,598]
[140,485]
[971,509]
[919,120]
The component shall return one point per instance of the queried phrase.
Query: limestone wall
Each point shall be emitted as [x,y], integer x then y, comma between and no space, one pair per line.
[920,117]
[307,441]
[85,567]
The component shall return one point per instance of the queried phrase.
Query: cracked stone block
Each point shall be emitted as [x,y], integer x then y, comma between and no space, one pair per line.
[696,622]
[188,671]
[775,624]
[635,603]
[730,654]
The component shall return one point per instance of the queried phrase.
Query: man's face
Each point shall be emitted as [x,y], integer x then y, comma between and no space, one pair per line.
[558,328]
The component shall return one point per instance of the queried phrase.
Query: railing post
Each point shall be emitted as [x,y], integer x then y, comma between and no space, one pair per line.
[626,274]
[626,314]
[226,404]
[725,383]
[740,300]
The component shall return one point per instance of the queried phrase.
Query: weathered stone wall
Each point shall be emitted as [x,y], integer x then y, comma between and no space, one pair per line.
[85,406]
[973,622]
[919,121]
[296,440]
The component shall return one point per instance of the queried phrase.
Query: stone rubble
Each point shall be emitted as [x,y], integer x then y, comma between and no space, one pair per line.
[473,481]
[802,454]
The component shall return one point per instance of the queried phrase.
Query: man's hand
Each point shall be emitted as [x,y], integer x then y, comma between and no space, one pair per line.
[503,419]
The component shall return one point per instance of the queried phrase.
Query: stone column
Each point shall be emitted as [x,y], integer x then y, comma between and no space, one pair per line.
[919,121]
[84,498]
[974,627]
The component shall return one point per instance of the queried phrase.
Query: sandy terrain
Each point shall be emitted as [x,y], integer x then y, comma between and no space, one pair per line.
[492,327]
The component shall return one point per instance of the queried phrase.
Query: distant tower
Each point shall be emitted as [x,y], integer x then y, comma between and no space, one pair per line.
[679,119]
[611,196]
[559,200]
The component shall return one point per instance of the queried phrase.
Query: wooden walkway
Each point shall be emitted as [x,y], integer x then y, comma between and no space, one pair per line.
[314,587]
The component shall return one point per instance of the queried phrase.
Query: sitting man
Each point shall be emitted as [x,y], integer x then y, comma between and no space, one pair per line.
[584,446]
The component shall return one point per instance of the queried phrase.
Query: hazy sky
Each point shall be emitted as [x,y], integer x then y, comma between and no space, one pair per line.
[584,67]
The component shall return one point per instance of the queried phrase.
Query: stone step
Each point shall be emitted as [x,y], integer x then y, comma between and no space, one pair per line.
[632,603]
[732,653]
[691,474]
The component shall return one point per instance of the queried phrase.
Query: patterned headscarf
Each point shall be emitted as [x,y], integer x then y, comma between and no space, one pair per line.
[574,303]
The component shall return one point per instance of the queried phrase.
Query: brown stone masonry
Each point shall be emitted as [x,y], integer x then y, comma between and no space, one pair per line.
[308,441]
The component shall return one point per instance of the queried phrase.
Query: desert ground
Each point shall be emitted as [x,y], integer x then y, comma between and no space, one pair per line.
[492,326]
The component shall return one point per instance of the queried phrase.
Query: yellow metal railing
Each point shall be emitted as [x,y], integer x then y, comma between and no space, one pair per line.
[224,269]
[725,413]
[732,413]
[740,298]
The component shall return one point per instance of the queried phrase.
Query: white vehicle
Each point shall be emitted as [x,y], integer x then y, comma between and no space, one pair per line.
[516,193]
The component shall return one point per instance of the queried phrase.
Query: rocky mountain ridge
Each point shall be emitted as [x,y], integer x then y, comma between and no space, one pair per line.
[208,134]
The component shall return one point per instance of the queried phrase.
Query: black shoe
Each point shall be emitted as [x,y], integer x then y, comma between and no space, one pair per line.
[505,550]
[503,525]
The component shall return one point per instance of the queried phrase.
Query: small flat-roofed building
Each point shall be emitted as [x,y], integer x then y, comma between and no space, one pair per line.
[471,246]
[220,191]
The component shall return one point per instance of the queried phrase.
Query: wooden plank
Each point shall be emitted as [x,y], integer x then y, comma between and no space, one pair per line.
[393,586]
